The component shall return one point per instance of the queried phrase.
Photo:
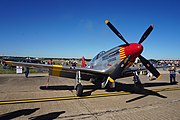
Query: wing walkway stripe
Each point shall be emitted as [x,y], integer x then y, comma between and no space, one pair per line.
[76,97]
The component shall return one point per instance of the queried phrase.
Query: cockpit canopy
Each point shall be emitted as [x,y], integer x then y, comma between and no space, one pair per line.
[98,55]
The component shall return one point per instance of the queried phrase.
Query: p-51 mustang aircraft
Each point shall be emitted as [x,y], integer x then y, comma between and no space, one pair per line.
[105,67]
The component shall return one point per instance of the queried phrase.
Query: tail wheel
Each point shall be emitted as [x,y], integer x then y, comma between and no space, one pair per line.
[79,90]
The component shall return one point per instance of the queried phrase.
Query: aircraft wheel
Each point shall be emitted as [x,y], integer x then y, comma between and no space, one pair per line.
[79,90]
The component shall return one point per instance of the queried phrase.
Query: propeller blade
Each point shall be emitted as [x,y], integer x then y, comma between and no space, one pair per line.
[149,66]
[118,71]
[115,31]
[146,33]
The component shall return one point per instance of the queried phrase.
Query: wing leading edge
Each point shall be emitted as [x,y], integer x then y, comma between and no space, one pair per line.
[63,71]
[68,72]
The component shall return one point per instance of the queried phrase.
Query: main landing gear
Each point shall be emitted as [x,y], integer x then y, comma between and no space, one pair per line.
[137,83]
[78,86]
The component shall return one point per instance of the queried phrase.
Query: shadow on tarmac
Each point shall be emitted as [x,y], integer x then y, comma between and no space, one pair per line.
[35,76]
[145,92]
[18,113]
[66,87]
[49,116]
[119,87]
[156,84]
[91,88]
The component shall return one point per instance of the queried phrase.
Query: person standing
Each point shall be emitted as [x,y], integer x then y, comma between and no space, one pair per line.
[150,75]
[172,71]
[50,62]
[26,72]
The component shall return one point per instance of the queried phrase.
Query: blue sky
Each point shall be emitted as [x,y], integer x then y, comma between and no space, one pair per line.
[76,28]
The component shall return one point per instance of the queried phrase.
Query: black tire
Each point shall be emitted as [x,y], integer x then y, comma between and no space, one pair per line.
[79,90]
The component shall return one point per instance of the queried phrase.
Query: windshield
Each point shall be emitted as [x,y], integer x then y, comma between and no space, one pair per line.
[98,55]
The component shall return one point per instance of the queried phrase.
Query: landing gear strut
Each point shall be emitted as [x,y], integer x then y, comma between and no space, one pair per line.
[137,83]
[78,86]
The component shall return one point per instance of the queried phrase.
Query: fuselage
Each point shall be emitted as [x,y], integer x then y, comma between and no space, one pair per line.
[108,60]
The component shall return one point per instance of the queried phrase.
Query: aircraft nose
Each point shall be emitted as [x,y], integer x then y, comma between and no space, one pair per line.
[139,48]
[134,50]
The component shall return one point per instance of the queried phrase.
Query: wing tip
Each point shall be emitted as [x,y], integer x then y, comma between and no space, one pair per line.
[8,62]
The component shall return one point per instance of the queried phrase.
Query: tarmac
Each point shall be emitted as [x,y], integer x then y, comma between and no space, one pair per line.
[28,98]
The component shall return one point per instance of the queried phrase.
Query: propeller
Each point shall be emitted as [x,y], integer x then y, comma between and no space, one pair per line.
[119,69]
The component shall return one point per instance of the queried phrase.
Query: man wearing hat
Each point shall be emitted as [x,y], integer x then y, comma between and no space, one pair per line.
[172,71]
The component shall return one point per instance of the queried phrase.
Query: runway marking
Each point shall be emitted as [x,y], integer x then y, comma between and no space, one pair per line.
[76,97]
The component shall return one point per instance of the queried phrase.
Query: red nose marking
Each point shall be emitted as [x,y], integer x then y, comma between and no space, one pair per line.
[134,50]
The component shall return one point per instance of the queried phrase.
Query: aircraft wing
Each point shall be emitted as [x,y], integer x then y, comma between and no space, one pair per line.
[63,71]
[69,72]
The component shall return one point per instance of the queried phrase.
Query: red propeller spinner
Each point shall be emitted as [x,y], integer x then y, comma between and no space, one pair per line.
[133,49]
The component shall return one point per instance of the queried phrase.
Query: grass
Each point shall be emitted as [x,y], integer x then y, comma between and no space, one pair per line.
[12,70]
[7,71]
